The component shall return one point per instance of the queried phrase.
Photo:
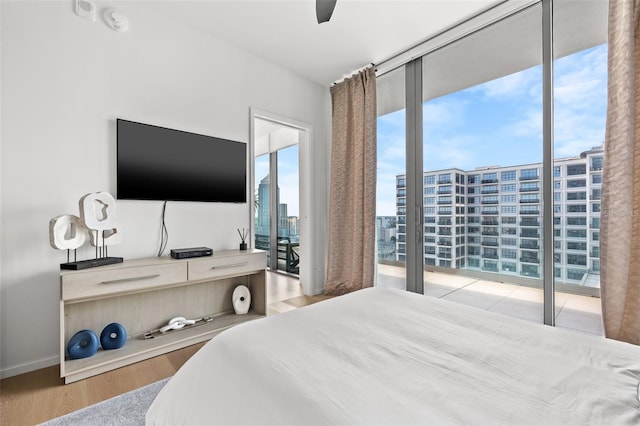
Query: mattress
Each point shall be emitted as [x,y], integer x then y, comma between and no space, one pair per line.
[389,357]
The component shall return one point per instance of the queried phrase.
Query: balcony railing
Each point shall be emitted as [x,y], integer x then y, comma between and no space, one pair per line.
[490,233]
[529,177]
[444,191]
[529,246]
[528,235]
[444,243]
[444,202]
[444,222]
[489,243]
[492,212]
[529,223]
[535,212]
[490,222]
[489,191]
[444,255]
[530,201]
[444,181]
[529,260]
[444,232]
[489,202]
[529,189]
[489,256]
[494,180]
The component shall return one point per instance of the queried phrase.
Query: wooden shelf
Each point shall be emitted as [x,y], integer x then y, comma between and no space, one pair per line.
[142,304]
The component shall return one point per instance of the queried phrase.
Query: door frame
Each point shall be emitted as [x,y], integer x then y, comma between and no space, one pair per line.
[306,217]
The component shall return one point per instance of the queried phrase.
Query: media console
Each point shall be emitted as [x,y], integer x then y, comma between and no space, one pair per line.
[143,294]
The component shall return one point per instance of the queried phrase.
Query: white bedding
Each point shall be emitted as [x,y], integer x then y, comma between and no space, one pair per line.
[382,356]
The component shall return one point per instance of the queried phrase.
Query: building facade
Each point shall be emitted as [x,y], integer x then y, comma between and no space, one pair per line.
[490,219]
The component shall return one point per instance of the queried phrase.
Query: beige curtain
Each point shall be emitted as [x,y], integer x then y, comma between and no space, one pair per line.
[352,198]
[620,223]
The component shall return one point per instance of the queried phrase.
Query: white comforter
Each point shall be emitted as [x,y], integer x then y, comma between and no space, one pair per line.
[381,356]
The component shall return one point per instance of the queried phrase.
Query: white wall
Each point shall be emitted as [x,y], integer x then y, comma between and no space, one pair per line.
[64,81]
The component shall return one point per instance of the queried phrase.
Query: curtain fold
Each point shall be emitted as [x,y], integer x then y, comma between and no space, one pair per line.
[620,221]
[352,198]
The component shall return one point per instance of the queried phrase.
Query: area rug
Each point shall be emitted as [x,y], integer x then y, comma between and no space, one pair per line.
[126,409]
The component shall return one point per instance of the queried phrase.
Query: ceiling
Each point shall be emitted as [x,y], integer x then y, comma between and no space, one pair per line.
[286,32]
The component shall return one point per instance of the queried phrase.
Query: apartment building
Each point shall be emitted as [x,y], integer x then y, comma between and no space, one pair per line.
[490,219]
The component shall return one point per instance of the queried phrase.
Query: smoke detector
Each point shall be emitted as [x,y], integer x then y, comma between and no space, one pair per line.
[116,20]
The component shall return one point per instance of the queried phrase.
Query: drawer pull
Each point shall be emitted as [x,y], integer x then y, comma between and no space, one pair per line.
[123,280]
[233,265]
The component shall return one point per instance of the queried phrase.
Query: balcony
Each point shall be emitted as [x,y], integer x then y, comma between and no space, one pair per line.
[536,200]
[444,255]
[489,243]
[532,212]
[443,212]
[490,222]
[529,235]
[444,191]
[444,181]
[444,232]
[489,191]
[444,243]
[485,181]
[529,177]
[444,221]
[529,246]
[529,223]
[594,254]
[530,189]
[489,202]
[490,233]
[578,312]
[473,253]
[529,260]
[444,202]
[490,212]
[489,256]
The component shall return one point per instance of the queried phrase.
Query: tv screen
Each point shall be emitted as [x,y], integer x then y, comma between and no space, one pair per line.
[156,163]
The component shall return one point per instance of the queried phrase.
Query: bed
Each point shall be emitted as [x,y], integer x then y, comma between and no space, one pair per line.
[389,357]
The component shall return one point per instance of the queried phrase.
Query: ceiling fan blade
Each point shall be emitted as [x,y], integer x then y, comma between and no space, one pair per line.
[324,9]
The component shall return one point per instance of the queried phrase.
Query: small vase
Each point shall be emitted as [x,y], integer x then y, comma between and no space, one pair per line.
[243,246]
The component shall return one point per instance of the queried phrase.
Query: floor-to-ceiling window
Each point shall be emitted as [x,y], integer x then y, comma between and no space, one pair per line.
[391,195]
[484,163]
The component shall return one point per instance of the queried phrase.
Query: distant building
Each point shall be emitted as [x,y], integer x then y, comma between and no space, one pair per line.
[490,219]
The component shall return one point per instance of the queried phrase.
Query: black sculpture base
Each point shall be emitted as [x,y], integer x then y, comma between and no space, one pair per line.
[91,263]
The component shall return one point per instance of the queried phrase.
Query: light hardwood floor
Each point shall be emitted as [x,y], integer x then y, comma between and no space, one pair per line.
[41,395]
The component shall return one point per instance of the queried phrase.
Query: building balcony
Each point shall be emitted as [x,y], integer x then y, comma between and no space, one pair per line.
[444,222]
[444,191]
[529,246]
[491,233]
[444,255]
[490,222]
[489,202]
[489,191]
[444,243]
[594,254]
[444,182]
[489,243]
[447,233]
[529,223]
[473,253]
[484,181]
[489,256]
[529,260]
[489,213]
[530,177]
[531,212]
[535,201]
[444,202]
[529,189]
[528,235]
[444,212]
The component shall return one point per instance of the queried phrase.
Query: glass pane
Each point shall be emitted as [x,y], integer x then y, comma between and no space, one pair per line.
[580,103]
[391,183]
[261,204]
[483,168]
[288,218]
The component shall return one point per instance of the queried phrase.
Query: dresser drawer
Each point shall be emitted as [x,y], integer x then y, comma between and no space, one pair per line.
[81,285]
[203,269]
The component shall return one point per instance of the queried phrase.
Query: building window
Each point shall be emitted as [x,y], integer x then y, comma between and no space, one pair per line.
[444,178]
[401,182]
[577,221]
[473,179]
[430,180]
[576,233]
[508,209]
[508,176]
[473,263]
[509,267]
[529,187]
[511,187]
[595,194]
[473,190]
[529,271]
[595,236]
[509,253]
[596,179]
[576,169]
[557,184]
[402,201]
[575,274]
[572,196]
[577,208]
[557,197]
[429,190]
[573,245]
[529,174]
[509,198]
[510,242]
[508,219]
[595,208]
[576,183]
[429,210]
[557,208]
[489,178]
[556,171]
[596,163]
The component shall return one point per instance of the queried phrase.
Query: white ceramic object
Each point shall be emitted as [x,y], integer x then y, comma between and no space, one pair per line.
[67,232]
[98,211]
[111,238]
[241,299]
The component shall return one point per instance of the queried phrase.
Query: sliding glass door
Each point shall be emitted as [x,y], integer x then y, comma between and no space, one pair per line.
[506,218]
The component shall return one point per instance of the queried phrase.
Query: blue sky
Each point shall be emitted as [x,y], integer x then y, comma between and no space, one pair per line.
[500,122]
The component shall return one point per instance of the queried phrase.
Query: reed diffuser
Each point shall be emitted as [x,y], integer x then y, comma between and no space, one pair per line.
[243,237]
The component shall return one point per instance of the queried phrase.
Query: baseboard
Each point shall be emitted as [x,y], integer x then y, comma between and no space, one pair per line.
[29,367]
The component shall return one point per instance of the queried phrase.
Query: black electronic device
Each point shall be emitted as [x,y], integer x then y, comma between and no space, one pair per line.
[185,253]
[156,163]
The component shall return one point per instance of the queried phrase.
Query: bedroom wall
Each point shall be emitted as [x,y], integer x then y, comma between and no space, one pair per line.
[64,81]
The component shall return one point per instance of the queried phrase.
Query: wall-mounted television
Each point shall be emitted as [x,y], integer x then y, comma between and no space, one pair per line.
[156,163]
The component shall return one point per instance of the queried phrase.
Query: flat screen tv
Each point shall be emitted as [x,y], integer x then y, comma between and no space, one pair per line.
[156,163]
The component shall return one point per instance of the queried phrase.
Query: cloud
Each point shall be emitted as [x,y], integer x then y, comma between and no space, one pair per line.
[511,86]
